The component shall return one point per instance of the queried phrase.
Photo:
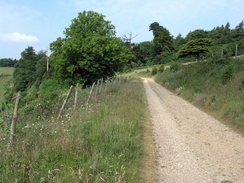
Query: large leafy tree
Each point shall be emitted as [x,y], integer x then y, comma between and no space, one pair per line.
[194,48]
[89,50]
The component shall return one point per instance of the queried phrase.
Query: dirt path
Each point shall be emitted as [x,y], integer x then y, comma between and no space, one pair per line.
[192,146]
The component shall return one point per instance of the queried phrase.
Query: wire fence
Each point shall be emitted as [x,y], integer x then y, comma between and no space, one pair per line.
[76,98]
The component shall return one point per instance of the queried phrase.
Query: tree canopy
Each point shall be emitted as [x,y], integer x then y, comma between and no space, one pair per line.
[89,51]
[29,68]
[163,41]
[194,47]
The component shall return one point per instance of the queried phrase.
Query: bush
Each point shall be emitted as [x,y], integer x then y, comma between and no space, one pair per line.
[161,69]
[154,71]
[227,73]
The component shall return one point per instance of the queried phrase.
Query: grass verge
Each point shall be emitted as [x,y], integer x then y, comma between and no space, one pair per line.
[105,143]
[216,86]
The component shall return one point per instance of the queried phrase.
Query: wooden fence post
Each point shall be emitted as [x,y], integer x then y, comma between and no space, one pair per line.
[106,85]
[90,95]
[97,88]
[65,101]
[100,88]
[15,116]
[76,94]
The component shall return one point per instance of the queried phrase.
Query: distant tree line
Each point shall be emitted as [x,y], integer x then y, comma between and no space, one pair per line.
[7,62]
[164,48]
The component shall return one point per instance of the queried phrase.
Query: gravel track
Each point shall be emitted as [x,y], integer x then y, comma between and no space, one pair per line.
[192,146]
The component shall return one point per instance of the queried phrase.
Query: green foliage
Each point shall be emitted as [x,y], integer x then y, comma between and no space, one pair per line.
[89,51]
[6,76]
[175,66]
[143,52]
[7,62]
[4,128]
[227,73]
[194,47]
[196,34]
[48,90]
[178,41]
[154,71]
[161,69]
[207,84]
[163,41]
[28,69]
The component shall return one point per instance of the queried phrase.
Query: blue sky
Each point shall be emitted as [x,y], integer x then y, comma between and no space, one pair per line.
[37,23]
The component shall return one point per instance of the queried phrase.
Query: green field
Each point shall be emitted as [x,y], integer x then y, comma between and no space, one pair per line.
[5,77]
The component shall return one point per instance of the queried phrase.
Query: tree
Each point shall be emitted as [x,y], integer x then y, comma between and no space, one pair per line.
[178,41]
[195,48]
[196,34]
[24,69]
[143,52]
[28,69]
[238,32]
[163,41]
[127,39]
[89,51]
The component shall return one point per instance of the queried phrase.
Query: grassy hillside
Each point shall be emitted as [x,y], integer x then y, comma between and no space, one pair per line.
[216,86]
[5,77]
[106,142]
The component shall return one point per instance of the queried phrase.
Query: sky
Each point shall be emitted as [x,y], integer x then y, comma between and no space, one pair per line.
[38,23]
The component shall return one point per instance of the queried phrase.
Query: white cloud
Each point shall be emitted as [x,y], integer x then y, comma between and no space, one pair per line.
[18,38]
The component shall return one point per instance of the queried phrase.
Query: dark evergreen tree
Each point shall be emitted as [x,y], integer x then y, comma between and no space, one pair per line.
[163,42]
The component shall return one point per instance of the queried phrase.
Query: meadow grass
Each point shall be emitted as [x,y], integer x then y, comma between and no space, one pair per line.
[103,143]
[6,70]
[5,77]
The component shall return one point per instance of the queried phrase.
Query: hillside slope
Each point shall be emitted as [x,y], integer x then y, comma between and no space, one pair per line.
[215,86]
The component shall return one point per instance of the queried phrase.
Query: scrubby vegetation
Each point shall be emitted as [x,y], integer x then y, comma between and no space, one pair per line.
[216,86]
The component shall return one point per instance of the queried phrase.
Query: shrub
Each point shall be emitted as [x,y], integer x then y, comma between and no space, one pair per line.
[227,73]
[161,69]
[175,66]
[154,71]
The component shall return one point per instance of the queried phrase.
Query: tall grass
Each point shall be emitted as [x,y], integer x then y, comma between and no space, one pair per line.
[101,144]
[216,86]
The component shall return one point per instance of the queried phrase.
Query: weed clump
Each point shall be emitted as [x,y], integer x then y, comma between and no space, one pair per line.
[154,71]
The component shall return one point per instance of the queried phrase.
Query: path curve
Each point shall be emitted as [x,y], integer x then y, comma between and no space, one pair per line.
[193,147]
